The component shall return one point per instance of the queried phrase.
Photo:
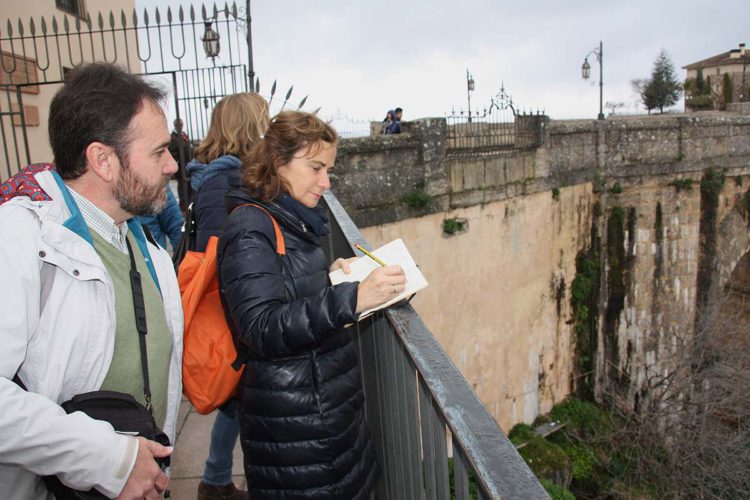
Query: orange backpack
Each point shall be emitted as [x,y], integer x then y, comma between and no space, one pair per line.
[208,379]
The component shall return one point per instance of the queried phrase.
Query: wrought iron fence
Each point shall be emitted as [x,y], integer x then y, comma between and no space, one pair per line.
[163,44]
[150,44]
[495,127]
[348,127]
[417,402]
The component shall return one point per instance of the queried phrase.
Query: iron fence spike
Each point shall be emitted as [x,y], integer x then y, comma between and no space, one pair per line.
[273,89]
[314,113]
[66,24]
[257,85]
[44,26]
[234,9]
[157,16]
[10,29]
[192,14]
[123,19]
[302,102]
[216,12]
[20,27]
[135,19]
[54,25]
[226,10]
[181,14]
[100,21]
[289,93]
[203,12]
[32,27]
[169,15]
[111,20]
[145,17]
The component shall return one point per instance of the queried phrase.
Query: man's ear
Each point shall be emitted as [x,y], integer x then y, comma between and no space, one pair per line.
[102,161]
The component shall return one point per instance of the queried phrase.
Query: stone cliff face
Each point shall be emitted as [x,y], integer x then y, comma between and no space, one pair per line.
[581,262]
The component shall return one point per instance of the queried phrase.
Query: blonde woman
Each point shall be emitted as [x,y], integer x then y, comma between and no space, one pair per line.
[237,123]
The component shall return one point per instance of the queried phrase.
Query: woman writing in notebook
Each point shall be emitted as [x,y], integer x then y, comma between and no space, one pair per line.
[303,432]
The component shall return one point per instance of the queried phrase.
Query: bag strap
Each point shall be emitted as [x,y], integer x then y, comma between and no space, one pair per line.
[139,308]
[280,243]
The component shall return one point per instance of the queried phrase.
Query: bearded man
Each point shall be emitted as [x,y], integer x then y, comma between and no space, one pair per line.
[69,325]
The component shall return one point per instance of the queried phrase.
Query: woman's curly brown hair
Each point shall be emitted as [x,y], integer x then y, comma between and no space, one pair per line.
[288,134]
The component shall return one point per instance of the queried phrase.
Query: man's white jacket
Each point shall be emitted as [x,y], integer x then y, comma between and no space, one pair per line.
[64,349]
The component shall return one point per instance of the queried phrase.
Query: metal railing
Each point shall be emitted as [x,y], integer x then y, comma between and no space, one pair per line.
[496,127]
[417,402]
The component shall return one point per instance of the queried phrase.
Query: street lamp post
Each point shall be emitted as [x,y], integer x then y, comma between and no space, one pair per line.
[469,89]
[211,44]
[250,71]
[586,72]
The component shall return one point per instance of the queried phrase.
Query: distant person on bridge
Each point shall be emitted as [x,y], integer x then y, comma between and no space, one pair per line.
[238,121]
[394,126]
[303,429]
[387,121]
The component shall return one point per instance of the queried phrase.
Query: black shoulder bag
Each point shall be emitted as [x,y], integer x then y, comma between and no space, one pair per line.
[187,239]
[121,410]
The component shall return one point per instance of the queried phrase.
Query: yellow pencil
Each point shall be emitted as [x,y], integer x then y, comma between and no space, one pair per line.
[358,247]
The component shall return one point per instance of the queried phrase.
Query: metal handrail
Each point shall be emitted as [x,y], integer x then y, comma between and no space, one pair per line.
[416,398]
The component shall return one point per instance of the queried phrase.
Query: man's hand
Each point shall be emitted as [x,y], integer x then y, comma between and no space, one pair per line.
[146,479]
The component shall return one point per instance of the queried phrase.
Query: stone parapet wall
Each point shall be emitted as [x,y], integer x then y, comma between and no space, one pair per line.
[376,175]
[739,107]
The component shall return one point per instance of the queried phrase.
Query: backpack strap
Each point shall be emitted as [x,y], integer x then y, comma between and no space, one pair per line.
[280,244]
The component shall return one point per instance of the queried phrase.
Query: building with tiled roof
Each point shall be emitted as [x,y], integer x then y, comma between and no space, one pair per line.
[726,79]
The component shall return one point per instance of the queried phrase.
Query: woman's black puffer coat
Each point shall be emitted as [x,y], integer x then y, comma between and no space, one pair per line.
[303,431]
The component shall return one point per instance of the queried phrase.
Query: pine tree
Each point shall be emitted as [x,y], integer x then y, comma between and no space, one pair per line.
[700,84]
[662,89]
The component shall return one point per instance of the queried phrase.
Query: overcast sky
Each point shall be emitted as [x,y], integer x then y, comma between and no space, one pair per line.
[363,57]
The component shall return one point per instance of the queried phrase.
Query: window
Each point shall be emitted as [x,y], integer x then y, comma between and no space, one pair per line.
[73,7]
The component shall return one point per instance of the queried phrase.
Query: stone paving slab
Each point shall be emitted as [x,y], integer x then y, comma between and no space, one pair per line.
[191,451]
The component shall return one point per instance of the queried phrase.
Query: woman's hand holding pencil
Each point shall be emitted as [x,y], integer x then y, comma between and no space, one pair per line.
[380,286]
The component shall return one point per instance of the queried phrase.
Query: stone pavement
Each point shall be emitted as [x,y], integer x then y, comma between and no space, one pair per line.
[191,450]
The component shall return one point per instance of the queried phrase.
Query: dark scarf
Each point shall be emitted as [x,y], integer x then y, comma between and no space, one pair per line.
[315,218]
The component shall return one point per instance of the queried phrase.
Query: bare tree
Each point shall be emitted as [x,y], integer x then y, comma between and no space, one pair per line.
[691,433]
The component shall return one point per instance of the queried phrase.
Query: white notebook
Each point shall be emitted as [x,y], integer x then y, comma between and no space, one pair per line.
[393,253]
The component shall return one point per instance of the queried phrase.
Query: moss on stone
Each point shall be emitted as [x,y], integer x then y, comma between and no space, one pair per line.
[557,492]
[417,199]
[521,433]
[545,458]
[683,184]
[584,305]
[712,184]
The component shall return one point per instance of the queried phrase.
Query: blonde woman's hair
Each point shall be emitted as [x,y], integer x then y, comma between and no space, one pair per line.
[237,122]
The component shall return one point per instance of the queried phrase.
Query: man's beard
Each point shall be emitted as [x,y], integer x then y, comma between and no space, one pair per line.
[138,197]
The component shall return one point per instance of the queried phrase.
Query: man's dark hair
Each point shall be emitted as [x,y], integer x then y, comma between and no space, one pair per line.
[399,110]
[96,104]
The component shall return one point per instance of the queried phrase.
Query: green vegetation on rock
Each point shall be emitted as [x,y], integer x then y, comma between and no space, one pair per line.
[417,199]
